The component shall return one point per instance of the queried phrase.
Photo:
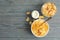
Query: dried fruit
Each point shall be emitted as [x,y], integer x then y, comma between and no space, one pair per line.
[28,13]
[30,22]
[27,19]
[41,17]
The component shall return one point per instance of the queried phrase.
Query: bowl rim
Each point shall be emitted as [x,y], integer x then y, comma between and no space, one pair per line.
[46,32]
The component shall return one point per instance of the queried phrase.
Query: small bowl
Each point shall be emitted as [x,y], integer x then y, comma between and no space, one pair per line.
[35,14]
[48,9]
[35,27]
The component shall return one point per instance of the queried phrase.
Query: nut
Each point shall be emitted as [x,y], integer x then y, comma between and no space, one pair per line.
[41,17]
[27,19]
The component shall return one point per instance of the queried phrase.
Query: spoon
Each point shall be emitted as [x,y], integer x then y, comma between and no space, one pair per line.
[46,20]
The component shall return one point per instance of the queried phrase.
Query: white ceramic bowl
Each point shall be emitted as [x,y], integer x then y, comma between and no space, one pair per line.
[35,14]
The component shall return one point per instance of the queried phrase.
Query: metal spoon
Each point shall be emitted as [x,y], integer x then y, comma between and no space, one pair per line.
[46,20]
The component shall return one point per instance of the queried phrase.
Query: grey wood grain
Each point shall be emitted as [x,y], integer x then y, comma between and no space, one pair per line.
[29,38]
[12,20]
[15,32]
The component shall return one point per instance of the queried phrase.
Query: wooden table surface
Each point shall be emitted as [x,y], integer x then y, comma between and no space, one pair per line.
[12,20]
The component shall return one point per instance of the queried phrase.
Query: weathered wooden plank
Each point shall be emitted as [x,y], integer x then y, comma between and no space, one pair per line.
[25,32]
[47,38]
[29,38]
[12,20]
[9,39]
[15,20]
[23,2]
